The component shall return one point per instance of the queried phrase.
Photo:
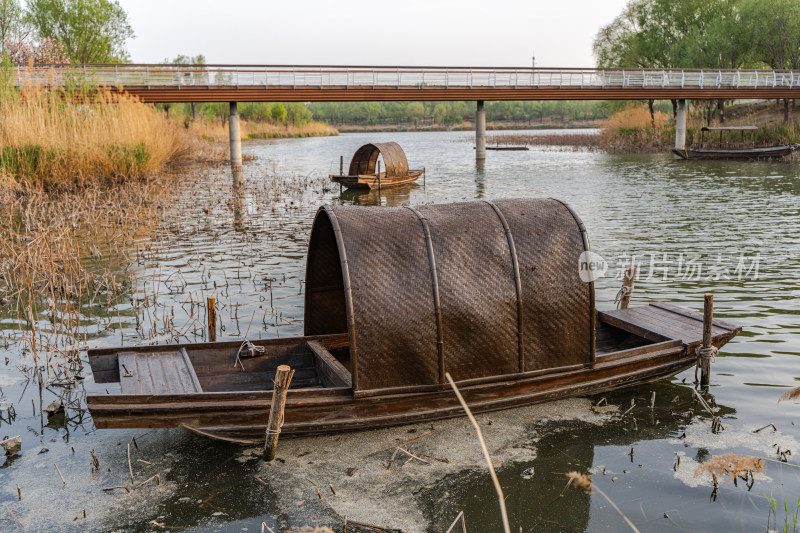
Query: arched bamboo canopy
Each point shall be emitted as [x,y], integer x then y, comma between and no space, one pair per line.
[420,296]
[366,157]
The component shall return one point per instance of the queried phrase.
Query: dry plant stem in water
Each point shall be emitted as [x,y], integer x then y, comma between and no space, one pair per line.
[486,455]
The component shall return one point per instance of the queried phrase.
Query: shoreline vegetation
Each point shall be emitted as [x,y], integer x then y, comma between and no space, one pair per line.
[52,140]
[252,130]
[635,130]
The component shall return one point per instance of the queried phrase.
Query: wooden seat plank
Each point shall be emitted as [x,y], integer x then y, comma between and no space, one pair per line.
[166,372]
[331,371]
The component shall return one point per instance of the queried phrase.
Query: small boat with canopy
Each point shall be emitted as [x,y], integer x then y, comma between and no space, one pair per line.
[728,146]
[397,298]
[365,168]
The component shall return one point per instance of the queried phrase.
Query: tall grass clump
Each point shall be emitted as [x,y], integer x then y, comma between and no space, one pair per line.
[55,139]
[782,134]
[634,130]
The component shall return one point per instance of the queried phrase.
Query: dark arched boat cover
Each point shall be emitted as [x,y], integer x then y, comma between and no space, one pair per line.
[477,289]
[365,158]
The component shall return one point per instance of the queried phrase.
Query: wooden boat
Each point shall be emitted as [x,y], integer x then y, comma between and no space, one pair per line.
[395,299]
[365,168]
[730,149]
[507,148]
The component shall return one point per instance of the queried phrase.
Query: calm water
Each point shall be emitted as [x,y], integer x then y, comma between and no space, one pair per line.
[726,227]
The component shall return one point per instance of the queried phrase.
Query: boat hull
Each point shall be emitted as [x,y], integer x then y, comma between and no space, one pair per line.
[634,346]
[772,152]
[366,182]
[243,415]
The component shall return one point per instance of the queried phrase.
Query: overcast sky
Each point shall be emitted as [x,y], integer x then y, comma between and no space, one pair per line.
[377,32]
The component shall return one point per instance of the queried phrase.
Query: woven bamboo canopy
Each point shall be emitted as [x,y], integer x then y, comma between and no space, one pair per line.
[420,296]
[366,157]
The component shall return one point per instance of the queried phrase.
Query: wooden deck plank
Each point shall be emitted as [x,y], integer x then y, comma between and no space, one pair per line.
[157,373]
[129,373]
[665,320]
[680,319]
[187,372]
[718,322]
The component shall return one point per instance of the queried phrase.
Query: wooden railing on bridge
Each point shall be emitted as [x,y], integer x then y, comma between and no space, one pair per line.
[306,83]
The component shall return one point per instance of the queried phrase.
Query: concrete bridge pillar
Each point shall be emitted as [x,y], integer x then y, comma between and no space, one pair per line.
[480,132]
[236,137]
[680,125]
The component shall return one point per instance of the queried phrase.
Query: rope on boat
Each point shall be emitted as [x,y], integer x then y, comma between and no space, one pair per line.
[250,350]
[621,294]
[704,353]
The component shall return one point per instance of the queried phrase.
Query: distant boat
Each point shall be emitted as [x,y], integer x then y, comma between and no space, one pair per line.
[365,169]
[503,148]
[731,149]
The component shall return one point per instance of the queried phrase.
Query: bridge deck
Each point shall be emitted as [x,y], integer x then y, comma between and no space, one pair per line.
[206,83]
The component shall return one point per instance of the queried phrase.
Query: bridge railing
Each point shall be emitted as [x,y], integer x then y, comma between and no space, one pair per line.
[155,76]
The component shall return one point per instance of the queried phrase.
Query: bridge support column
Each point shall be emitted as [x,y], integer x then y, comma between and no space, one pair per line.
[236,137]
[480,132]
[680,126]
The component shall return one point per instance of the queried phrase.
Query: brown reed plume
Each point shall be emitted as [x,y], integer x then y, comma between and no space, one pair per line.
[791,394]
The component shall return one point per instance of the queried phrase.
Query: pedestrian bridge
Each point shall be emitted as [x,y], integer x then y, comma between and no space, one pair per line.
[254,83]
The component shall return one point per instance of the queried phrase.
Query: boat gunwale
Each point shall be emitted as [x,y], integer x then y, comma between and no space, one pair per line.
[327,395]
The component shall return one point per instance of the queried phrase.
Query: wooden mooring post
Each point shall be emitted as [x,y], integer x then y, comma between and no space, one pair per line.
[283,376]
[379,176]
[706,350]
[627,287]
[211,311]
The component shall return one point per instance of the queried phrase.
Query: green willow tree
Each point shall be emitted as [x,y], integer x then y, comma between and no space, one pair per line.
[777,39]
[92,31]
[680,34]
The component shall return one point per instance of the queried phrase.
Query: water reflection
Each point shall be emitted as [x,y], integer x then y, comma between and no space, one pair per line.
[480,179]
[386,196]
[539,496]
[238,199]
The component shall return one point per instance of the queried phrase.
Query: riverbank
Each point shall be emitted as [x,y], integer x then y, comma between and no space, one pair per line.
[470,126]
[215,131]
[633,130]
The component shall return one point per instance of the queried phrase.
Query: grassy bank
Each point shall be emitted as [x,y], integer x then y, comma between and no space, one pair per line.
[48,140]
[632,130]
[215,131]
[470,126]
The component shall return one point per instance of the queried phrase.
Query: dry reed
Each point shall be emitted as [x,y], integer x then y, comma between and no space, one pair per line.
[729,466]
[791,394]
[49,139]
[62,257]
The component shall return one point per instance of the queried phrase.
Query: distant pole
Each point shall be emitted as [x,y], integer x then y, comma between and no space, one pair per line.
[480,132]
[341,165]
[236,136]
